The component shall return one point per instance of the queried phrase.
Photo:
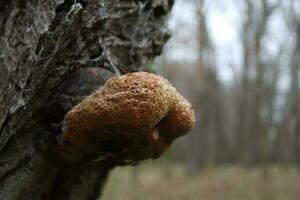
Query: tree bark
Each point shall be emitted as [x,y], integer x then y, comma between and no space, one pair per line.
[51,50]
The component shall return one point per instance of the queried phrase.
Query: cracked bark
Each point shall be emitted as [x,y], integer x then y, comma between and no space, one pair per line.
[47,48]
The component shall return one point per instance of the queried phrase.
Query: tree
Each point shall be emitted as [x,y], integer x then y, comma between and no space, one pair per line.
[290,127]
[257,88]
[45,46]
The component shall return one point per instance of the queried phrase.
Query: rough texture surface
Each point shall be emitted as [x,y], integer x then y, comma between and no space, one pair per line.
[131,118]
[45,46]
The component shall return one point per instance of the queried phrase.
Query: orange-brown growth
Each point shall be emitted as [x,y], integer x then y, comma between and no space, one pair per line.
[131,118]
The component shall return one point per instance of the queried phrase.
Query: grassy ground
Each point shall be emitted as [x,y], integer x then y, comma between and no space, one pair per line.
[172,182]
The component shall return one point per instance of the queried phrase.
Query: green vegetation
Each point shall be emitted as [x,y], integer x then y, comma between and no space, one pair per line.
[173,182]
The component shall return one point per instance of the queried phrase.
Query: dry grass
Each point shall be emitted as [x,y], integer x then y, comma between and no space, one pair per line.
[172,182]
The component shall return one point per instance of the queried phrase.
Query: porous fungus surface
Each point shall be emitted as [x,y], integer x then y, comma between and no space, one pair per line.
[131,118]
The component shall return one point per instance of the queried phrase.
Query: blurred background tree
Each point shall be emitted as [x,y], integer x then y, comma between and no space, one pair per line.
[243,80]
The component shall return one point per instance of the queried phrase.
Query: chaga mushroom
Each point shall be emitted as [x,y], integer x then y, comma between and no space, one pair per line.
[131,118]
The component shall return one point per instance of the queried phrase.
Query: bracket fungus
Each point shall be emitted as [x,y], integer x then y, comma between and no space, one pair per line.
[131,118]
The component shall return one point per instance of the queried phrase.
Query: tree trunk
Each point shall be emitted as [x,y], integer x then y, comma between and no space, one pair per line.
[53,53]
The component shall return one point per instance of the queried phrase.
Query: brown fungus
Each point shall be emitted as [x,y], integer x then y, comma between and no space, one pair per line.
[131,118]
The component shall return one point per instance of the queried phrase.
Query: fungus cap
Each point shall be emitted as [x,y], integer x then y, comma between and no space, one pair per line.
[131,118]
